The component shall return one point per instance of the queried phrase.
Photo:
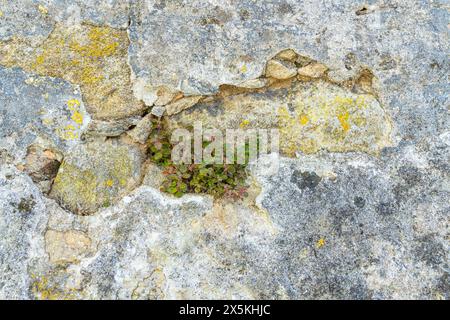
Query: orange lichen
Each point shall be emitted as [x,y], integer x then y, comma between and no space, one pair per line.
[343,120]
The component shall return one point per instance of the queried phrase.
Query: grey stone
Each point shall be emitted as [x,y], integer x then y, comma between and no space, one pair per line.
[142,129]
[350,216]
[158,111]
[33,107]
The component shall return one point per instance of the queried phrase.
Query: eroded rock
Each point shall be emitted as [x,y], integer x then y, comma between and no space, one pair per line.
[181,104]
[311,116]
[93,57]
[66,247]
[142,129]
[280,69]
[34,107]
[313,70]
[97,174]
[42,165]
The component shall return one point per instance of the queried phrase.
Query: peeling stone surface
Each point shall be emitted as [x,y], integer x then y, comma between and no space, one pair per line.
[279,69]
[66,247]
[358,208]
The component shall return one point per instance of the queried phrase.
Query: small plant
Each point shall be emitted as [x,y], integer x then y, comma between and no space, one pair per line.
[228,180]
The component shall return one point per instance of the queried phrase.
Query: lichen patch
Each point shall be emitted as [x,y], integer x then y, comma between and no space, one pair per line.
[91,56]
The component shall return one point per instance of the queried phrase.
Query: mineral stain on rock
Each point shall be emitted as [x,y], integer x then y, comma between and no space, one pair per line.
[66,247]
[42,165]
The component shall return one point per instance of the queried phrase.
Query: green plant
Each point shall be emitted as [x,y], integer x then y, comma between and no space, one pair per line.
[218,180]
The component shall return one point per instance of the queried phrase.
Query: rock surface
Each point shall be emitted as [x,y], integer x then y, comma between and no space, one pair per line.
[358,208]
[94,175]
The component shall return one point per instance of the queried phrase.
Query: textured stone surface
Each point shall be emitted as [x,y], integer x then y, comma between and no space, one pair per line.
[96,174]
[33,107]
[93,57]
[311,116]
[358,208]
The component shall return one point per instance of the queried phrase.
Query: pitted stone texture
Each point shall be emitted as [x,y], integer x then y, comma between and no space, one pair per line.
[33,106]
[223,42]
[352,219]
[322,227]
[23,217]
[97,174]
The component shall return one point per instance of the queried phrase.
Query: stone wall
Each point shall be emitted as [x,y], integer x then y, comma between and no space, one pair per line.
[358,208]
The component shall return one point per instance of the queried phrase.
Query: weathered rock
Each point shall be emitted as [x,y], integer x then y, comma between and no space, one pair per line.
[142,130]
[311,116]
[288,54]
[96,175]
[181,104]
[34,21]
[313,70]
[280,69]
[154,176]
[254,83]
[42,164]
[360,213]
[112,128]
[33,107]
[158,111]
[66,247]
[93,57]
[165,95]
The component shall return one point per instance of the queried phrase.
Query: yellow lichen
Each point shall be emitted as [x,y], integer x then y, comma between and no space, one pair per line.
[320,243]
[73,104]
[75,186]
[39,60]
[93,57]
[343,120]
[109,183]
[322,119]
[44,291]
[69,132]
[102,43]
[89,76]
[244,123]
[304,119]
[43,10]
[47,121]
[85,190]
[77,117]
